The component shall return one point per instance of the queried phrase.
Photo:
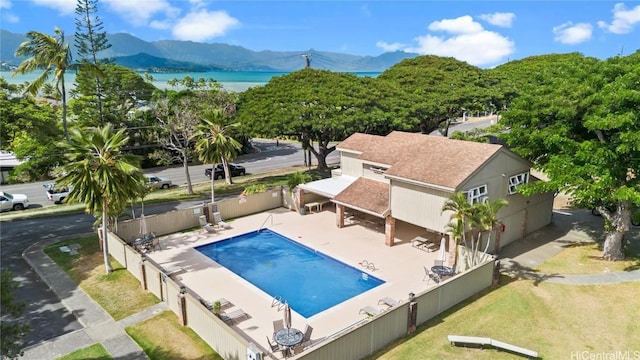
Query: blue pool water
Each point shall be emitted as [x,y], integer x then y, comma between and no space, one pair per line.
[309,281]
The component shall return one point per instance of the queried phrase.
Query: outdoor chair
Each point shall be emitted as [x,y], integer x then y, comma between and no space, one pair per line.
[217,220]
[298,349]
[205,225]
[277,325]
[307,334]
[273,347]
[233,316]
[430,275]
[155,243]
[388,301]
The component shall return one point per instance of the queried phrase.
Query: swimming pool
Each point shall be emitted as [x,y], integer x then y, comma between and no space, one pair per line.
[309,281]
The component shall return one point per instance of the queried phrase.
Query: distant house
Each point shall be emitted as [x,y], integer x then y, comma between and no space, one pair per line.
[407,177]
[8,161]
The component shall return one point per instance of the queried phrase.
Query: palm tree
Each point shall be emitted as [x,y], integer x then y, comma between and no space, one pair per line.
[488,219]
[462,218]
[102,177]
[50,53]
[215,143]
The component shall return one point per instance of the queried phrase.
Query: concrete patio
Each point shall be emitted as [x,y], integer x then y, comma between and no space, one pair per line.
[400,266]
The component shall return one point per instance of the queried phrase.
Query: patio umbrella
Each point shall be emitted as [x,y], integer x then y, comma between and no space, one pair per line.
[442,252]
[143,225]
[287,316]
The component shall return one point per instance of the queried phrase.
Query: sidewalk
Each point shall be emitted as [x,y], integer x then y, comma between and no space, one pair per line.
[99,327]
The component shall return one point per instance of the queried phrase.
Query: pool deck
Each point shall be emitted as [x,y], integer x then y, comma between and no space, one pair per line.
[400,266]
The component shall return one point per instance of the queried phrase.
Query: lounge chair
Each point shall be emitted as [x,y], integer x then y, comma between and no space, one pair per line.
[388,301]
[205,225]
[370,310]
[233,316]
[217,219]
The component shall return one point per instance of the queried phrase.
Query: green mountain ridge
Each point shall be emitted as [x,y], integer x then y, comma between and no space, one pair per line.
[165,55]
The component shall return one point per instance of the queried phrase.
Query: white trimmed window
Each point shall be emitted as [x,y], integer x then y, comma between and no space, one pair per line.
[477,195]
[517,180]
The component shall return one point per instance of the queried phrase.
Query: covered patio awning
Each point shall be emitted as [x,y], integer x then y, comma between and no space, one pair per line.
[329,187]
[366,195]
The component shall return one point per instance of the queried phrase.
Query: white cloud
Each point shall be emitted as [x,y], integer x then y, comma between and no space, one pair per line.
[64,7]
[139,14]
[204,25]
[571,34]
[390,47]
[461,25]
[499,19]
[481,48]
[623,20]
[5,4]
[160,25]
[466,40]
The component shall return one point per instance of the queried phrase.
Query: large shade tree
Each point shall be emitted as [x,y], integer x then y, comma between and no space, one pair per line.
[102,177]
[430,91]
[313,106]
[581,127]
[50,54]
[31,131]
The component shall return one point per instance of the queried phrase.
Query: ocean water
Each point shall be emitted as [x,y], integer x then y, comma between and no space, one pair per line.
[230,80]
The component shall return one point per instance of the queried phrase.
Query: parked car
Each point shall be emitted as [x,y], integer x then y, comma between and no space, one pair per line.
[55,193]
[13,201]
[234,169]
[158,182]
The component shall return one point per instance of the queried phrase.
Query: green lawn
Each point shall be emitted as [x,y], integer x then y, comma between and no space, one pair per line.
[163,338]
[119,293]
[551,319]
[93,352]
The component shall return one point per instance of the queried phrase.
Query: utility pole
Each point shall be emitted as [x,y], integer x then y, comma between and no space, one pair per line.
[307,58]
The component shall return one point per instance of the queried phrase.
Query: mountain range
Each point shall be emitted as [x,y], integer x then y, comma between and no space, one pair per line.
[174,55]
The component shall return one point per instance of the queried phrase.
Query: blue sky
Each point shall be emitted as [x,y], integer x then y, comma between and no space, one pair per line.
[482,33]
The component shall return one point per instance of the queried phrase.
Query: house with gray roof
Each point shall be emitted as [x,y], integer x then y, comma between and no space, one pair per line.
[407,177]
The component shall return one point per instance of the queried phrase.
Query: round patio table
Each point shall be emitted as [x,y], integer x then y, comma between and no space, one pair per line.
[288,337]
[442,270]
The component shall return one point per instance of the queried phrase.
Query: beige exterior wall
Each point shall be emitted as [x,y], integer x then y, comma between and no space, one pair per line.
[371,172]
[419,205]
[491,174]
[350,164]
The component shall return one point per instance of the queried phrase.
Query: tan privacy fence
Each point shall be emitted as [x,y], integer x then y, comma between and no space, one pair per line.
[354,342]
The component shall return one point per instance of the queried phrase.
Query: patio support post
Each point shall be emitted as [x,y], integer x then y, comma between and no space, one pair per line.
[339,215]
[389,230]
[300,200]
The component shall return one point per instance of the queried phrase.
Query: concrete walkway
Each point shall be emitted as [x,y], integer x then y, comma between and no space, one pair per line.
[518,258]
[99,326]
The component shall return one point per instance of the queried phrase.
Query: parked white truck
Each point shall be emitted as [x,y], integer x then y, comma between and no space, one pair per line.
[55,193]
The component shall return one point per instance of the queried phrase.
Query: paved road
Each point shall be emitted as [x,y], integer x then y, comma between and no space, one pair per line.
[46,314]
[268,157]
